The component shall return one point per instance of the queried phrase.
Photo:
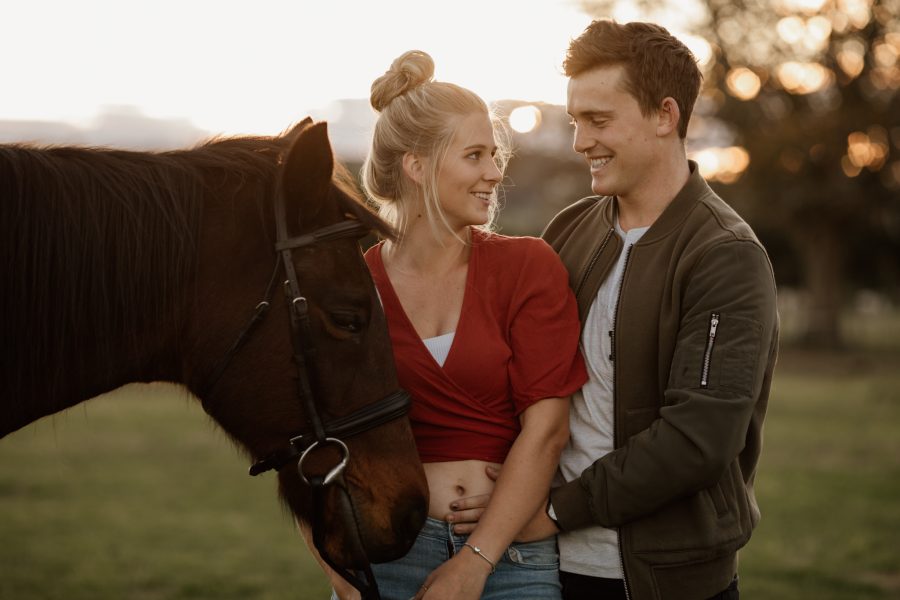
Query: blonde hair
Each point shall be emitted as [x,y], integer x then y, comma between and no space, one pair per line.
[420,116]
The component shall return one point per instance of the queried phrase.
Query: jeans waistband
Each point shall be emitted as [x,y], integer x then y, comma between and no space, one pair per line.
[437,528]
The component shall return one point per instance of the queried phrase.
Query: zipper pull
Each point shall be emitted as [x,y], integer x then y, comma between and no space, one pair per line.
[713,325]
[707,354]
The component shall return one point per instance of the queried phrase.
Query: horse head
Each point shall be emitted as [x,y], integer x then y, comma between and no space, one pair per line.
[379,504]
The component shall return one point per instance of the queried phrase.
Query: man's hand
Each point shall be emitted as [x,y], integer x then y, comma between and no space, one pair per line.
[466,512]
[538,528]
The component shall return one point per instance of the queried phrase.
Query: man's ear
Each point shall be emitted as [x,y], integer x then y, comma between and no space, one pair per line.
[414,167]
[668,117]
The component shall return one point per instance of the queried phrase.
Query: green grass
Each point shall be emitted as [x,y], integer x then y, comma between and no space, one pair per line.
[829,481]
[137,495]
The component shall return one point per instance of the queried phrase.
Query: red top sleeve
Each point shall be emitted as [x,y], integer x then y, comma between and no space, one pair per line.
[543,330]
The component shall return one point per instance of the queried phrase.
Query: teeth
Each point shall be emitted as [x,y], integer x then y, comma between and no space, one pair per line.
[482,195]
[596,163]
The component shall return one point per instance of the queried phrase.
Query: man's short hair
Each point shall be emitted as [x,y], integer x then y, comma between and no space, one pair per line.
[656,63]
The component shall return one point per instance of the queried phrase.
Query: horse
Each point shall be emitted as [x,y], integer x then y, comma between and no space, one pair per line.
[124,266]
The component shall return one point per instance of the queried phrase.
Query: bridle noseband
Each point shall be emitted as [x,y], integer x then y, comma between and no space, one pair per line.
[393,406]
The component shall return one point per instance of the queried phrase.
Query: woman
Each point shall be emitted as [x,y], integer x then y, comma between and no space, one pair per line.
[485,335]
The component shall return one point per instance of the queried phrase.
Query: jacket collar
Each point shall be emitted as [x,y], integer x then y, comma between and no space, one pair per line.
[675,213]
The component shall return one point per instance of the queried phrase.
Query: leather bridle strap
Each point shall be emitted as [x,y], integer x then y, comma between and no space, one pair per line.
[368,417]
[368,587]
[342,229]
[259,313]
[304,354]
[304,357]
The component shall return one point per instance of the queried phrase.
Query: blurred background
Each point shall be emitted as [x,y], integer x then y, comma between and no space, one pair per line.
[137,495]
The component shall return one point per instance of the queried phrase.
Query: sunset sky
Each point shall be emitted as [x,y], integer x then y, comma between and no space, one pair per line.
[240,67]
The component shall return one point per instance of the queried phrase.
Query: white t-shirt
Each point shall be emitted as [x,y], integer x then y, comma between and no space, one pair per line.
[440,346]
[594,551]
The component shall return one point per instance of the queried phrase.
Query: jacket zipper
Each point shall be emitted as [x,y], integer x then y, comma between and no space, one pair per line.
[615,402]
[612,334]
[593,262]
[707,355]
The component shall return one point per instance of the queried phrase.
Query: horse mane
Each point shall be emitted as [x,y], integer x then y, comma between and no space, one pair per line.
[97,245]
[353,203]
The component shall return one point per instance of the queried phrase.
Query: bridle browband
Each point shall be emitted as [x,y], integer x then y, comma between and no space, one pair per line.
[393,406]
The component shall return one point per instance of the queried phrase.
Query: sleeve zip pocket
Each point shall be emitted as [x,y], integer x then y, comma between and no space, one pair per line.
[707,354]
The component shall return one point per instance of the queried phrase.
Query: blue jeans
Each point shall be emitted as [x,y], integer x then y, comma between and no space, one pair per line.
[524,572]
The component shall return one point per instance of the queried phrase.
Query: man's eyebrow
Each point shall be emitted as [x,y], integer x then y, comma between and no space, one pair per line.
[592,113]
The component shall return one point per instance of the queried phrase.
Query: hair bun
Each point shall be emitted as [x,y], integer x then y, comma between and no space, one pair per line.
[408,71]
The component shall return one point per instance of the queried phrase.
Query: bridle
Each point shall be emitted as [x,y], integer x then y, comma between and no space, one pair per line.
[393,406]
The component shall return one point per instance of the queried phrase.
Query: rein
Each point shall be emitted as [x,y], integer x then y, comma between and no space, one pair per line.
[391,407]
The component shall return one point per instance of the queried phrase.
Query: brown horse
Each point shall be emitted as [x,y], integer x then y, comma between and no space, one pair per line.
[123,266]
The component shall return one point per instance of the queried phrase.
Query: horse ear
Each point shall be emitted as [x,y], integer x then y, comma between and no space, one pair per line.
[306,175]
[296,129]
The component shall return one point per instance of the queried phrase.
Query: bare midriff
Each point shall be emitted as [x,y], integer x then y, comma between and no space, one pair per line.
[449,481]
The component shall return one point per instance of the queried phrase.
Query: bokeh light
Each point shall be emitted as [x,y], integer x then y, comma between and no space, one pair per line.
[867,149]
[791,29]
[803,78]
[525,118]
[743,83]
[722,164]
[799,6]
[810,34]
[885,55]
[818,32]
[858,12]
[851,58]
[701,49]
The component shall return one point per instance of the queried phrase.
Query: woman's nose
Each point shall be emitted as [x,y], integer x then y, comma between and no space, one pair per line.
[494,173]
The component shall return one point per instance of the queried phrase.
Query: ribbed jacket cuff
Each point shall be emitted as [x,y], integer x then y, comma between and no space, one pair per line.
[572,506]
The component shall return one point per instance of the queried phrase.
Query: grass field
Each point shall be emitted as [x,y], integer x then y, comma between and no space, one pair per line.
[137,495]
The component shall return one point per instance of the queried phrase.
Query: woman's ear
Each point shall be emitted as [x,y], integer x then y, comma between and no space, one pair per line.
[668,117]
[414,167]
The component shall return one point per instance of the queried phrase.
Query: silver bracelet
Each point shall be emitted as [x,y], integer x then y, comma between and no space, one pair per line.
[478,551]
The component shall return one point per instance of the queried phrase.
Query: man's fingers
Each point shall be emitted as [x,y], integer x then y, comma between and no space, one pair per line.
[471,515]
[470,502]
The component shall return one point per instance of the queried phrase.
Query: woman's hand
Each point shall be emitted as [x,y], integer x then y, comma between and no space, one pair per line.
[460,578]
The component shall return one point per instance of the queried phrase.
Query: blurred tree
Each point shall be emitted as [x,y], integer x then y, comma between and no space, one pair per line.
[810,89]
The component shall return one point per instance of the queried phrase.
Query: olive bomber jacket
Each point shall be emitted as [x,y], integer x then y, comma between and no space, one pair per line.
[694,348]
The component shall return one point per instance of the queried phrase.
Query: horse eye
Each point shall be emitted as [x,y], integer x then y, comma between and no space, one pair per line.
[348,321]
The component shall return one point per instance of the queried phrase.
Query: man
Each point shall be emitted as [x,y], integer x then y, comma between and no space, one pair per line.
[680,330]
[677,301]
